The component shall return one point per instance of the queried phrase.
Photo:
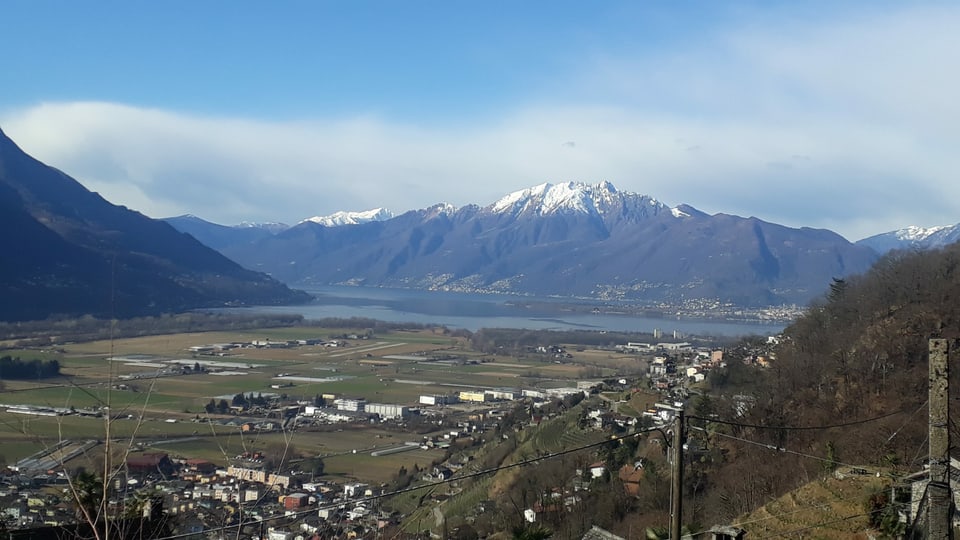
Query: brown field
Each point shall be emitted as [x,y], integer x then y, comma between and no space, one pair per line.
[497,374]
[360,366]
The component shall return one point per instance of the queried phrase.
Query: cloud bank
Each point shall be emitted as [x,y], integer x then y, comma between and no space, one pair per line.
[847,124]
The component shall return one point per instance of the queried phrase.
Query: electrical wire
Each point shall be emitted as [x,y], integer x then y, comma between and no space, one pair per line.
[821,506]
[795,428]
[907,421]
[822,524]
[782,449]
[410,489]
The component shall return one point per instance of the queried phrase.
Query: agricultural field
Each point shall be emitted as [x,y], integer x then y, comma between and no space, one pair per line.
[163,408]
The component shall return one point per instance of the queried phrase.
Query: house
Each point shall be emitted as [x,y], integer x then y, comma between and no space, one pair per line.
[442,473]
[278,534]
[358,512]
[150,462]
[597,469]
[914,488]
[201,466]
[295,500]
[631,476]
[354,489]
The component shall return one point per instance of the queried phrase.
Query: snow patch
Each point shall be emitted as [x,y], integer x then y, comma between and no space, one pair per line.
[351,218]
[572,197]
[917,234]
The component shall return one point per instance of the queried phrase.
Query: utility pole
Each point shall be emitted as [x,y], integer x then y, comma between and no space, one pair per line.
[676,485]
[939,499]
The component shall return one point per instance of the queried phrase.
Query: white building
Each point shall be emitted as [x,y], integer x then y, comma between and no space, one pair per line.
[562,392]
[355,489]
[387,410]
[278,534]
[353,405]
[438,399]
[503,393]
[683,346]
[633,346]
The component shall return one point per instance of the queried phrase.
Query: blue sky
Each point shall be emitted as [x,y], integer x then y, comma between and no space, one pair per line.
[824,114]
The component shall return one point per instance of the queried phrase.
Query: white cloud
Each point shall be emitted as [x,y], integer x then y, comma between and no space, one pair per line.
[848,124]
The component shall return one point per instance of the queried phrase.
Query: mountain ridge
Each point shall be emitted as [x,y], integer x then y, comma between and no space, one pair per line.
[352,218]
[570,239]
[79,254]
[913,237]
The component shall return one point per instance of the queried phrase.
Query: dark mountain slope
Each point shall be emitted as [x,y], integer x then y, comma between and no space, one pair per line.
[847,386]
[75,253]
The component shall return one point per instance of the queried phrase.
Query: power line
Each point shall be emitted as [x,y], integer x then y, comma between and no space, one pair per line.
[423,486]
[795,428]
[780,449]
[822,524]
[820,506]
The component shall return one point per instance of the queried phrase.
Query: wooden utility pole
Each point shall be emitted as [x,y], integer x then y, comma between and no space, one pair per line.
[676,485]
[939,498]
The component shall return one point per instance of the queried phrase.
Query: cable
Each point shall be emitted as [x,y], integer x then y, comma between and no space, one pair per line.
[907,421]
[831,522]
[820,506]
[794,428]
[780,449]
[422,486]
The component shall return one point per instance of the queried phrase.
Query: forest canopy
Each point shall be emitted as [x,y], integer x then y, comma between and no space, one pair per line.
[15,368]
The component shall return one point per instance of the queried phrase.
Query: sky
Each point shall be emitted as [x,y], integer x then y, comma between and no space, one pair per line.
[839,115]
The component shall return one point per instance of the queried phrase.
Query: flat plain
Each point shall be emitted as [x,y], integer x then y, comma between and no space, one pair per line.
[155,409]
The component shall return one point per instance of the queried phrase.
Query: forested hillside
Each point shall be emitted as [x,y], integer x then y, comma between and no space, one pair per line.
[857,360]
[845,390]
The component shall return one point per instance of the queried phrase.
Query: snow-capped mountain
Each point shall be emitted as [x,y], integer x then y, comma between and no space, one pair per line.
[351,218]
[569,239]
[913,238]
[577,198]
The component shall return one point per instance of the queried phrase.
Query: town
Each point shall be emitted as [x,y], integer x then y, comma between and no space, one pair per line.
[295,457]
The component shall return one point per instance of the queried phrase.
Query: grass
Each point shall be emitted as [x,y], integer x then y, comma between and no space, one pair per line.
[550,436]
[15,448]
[182,397]
[28,428]
[382,469]
[83,397]
[805,508]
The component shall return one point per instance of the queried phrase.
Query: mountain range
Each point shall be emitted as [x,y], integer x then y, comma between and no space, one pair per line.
[913,238]
[571,239]
[70,252]
[75,253]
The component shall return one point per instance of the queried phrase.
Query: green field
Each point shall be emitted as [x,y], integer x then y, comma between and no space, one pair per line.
[388,368]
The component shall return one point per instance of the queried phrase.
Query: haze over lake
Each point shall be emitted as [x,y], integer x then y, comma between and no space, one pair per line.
[473,311]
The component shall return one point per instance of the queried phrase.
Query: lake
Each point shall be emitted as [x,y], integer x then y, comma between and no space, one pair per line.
[472,311]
